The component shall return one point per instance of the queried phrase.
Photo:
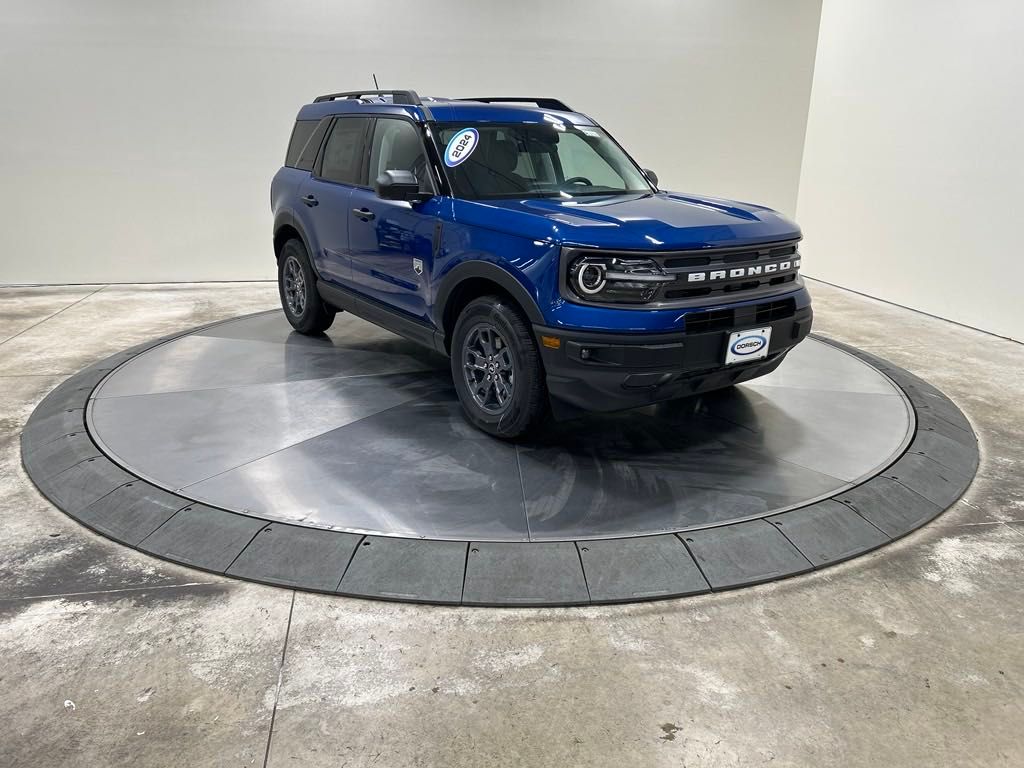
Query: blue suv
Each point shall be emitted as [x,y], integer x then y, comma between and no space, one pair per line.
[516,236]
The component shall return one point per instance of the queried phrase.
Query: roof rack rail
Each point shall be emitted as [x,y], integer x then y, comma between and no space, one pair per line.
[398,97]
[543,103]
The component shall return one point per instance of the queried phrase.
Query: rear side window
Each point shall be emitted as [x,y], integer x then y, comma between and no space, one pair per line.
[344,151]
[300,137]
[308,155]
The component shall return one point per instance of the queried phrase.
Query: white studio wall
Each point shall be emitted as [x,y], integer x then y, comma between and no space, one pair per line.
[913,171]
[137,140]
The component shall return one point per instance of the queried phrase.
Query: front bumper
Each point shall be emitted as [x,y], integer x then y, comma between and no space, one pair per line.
[611,372]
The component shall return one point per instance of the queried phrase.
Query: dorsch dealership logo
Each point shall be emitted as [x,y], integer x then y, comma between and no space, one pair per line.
[748,345]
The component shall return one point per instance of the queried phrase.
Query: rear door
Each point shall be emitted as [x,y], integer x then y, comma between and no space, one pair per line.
[392,240]
[326,195]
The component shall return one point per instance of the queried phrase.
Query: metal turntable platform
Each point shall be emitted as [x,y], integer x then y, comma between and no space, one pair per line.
[342,464]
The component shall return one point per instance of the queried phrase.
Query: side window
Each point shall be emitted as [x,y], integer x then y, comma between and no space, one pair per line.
[300,136]
[397,146]
[343,153]
[308,155]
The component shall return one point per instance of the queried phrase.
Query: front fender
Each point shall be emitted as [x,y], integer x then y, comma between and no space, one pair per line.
[487,270]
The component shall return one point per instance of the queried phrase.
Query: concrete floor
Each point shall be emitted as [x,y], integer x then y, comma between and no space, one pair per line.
[911,656]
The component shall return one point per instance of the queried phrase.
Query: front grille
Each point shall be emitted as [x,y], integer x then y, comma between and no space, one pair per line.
[696,277]
[726,289]
[730,319]
[728,271]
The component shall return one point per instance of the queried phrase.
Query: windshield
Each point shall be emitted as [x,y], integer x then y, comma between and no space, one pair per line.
[488,161]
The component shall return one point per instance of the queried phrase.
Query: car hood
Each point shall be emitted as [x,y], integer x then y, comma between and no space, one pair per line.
[661,221]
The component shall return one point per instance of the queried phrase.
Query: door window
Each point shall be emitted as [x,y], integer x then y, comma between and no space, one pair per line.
[344,151]
[397,146]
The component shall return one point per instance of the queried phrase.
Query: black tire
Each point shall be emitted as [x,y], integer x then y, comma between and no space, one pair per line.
[515,353]
[296,284]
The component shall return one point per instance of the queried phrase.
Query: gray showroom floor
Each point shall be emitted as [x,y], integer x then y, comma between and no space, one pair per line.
[910,656]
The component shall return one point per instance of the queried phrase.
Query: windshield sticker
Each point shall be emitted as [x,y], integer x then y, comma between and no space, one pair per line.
[461,147]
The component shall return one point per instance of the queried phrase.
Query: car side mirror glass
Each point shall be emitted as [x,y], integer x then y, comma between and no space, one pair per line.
[399,185]
[651,176]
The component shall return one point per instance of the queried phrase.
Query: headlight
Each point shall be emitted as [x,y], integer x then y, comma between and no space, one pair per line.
[615,279]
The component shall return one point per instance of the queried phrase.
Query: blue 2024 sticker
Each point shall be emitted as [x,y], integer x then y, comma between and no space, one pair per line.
[461,147]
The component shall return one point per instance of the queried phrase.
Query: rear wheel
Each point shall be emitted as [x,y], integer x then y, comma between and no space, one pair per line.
[296,282]
[496,368]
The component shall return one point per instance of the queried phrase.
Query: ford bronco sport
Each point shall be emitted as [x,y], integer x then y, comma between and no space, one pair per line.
[516,236]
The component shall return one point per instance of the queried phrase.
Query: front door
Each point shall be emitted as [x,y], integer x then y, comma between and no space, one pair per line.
[391,242]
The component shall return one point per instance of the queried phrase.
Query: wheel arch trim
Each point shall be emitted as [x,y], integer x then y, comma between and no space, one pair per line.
[288,219]
[488,271]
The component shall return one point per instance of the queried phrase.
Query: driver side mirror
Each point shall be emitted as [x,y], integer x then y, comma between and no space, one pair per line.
[651,176]
[399,185]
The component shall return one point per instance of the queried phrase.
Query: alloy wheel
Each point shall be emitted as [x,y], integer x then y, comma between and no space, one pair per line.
[294,287]
[488,368]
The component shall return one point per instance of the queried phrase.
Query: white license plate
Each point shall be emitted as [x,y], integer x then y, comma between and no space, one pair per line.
[745,346]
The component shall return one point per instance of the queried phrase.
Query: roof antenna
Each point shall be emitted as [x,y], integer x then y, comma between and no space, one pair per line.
[375,86]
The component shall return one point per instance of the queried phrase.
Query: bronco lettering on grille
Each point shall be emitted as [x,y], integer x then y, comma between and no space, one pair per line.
[734,273]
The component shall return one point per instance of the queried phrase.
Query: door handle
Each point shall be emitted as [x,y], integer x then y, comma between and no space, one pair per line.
[310,201]
[363,213]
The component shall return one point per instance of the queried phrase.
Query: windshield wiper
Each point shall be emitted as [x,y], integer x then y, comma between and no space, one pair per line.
[607,192]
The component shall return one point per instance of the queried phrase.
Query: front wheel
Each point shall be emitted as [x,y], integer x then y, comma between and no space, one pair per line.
[496,368]
[296,282]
